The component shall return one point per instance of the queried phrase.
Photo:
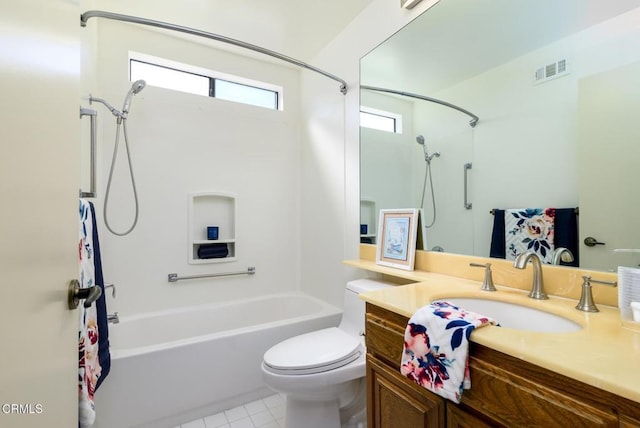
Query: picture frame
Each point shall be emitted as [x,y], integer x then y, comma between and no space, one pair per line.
[397,234]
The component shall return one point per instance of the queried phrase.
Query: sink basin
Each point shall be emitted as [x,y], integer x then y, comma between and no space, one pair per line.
[516,316]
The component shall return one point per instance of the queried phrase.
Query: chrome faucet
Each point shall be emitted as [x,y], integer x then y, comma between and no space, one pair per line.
[537,290]
[113,319]
[487,284]
[586,302]
[562,254]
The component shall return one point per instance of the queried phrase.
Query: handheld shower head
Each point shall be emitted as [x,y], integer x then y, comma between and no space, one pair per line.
[137,86]
[427,157]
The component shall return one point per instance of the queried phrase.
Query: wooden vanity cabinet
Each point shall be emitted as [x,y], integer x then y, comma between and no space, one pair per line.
[506,391]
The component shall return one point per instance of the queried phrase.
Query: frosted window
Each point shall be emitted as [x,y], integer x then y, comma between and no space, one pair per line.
[245,94]
[377,121]
[172,75]
[169,78]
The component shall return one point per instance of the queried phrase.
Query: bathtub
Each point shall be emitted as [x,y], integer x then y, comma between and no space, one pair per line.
[173,366]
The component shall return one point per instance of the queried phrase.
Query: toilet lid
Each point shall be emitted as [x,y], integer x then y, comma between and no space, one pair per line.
[313,352]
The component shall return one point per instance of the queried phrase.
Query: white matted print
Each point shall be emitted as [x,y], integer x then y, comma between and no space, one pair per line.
[397,232]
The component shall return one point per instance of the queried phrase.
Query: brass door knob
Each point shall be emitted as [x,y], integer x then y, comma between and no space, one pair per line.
[75,294]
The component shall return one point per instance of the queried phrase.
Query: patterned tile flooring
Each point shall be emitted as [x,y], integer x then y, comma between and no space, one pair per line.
[265,413]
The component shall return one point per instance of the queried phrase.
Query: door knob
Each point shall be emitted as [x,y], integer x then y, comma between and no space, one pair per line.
[590,241]
[75,294]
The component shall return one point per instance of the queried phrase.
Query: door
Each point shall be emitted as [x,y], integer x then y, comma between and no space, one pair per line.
[609,146]
[39,174]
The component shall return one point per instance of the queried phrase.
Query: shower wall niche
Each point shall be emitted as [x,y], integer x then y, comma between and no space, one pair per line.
[212,209]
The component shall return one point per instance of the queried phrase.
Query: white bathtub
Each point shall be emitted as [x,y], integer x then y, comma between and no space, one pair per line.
[177,365]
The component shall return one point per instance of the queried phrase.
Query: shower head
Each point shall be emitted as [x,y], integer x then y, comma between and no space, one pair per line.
[427,157]
[137,86]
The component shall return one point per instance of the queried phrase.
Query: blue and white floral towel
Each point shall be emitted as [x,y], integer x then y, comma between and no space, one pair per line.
[89,369]
[436,348]
[530,229]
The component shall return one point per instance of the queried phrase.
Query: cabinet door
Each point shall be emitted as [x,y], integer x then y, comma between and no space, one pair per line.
[458,418]
[627,422]
[394,402]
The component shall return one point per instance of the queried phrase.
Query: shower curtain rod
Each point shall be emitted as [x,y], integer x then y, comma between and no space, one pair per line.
[167,26]
[473,122]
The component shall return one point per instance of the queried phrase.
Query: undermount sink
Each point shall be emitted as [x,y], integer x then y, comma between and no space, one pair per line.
[512,315]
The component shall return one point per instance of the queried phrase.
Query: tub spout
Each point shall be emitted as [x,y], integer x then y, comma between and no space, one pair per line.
[113,318]
[537,288]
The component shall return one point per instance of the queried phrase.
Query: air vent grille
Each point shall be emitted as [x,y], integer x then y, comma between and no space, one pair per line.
[551,71]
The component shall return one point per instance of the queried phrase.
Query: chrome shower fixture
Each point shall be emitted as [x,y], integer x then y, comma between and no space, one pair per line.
[427,157]
[137,86]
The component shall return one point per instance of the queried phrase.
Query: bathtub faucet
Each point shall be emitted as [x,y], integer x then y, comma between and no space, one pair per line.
[113,319]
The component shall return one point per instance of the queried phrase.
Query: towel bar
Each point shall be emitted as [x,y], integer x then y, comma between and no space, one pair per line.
[173,277]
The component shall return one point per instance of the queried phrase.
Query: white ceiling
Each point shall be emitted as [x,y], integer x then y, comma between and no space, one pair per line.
[457,39]
[297,28]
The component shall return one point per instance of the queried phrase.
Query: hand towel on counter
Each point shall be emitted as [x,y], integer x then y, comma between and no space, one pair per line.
[530,229]
[436,348]
[89,368]
[213,251]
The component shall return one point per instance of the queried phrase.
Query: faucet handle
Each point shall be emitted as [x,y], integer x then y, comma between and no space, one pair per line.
[487,284]
[586,302]
[113,289]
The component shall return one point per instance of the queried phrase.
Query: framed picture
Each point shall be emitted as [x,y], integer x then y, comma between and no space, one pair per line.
[397,233]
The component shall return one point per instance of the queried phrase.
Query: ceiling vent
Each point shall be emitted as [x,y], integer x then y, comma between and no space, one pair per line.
[551,71]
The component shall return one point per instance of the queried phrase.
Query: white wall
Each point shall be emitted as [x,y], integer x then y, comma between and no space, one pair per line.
[182,143]
[330,162]
[388,179]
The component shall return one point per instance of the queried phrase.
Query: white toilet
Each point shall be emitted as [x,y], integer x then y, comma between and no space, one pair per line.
[322,373]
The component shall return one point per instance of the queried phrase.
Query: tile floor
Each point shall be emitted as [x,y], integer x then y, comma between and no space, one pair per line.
[265,413]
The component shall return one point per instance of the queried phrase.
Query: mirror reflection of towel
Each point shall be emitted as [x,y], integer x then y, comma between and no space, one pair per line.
[530,229]
[565,234]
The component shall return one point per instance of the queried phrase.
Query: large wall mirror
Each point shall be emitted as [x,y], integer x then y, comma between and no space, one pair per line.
[556,85]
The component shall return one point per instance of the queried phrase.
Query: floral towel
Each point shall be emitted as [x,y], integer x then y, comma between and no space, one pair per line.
[89,369]
[530,229]
[436,348]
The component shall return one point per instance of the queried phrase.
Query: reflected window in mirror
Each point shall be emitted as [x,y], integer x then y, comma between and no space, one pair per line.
[381,120]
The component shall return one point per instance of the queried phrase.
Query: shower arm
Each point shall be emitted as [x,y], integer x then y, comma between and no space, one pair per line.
[195,32]
[474,119]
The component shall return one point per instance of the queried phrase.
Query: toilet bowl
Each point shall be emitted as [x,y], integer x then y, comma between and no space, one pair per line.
[322,372]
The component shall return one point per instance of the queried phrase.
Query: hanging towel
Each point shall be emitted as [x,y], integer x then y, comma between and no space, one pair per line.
[497,249]
[530,229]
[436,348]
[566,233]
[104,356]
[89,367]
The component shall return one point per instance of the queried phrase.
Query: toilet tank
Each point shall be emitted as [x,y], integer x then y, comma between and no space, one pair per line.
[354,308]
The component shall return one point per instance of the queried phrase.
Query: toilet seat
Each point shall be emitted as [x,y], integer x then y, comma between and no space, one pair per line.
[314,352]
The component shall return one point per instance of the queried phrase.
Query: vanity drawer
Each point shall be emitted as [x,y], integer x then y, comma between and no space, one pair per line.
[385,335]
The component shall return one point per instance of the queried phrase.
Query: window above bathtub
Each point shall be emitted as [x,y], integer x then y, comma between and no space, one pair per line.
[200,81]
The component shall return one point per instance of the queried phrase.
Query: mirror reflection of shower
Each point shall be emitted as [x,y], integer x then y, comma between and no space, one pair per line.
[427,177]
[121,120]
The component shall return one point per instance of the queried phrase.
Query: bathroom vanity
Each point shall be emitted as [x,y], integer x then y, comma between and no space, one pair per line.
[587,378]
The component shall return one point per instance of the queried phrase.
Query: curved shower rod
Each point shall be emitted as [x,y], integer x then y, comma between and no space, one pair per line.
[188,30]
[473,122]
